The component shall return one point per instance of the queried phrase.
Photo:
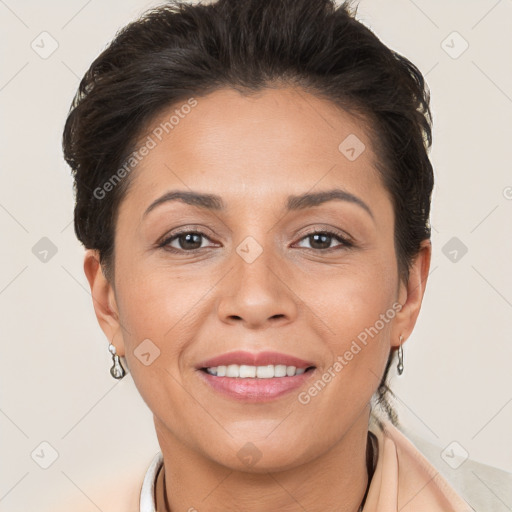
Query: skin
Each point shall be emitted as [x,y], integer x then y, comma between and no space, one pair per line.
[297,297]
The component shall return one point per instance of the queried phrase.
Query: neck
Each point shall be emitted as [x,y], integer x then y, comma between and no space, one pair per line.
[334,481]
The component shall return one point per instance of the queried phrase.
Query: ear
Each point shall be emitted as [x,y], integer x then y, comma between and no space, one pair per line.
[411,295]
[104,300]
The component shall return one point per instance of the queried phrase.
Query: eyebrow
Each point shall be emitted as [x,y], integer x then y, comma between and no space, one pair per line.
[298,202]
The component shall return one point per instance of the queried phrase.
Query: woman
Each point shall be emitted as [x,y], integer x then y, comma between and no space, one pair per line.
[253,190]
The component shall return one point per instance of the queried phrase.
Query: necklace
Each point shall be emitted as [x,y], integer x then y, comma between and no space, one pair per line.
[372,447]
[371,462]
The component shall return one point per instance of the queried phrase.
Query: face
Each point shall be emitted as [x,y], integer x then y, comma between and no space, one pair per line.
[246,272]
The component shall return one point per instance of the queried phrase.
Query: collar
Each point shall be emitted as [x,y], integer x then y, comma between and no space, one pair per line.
[147,492]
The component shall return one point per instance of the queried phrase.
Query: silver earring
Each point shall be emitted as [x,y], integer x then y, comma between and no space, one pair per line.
[117,371]
[400,365]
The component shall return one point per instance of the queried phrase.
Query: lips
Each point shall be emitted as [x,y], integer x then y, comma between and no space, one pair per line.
[263,379]
[255,390]
[241,357]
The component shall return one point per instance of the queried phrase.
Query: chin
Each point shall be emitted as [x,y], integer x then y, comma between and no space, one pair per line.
[261,457]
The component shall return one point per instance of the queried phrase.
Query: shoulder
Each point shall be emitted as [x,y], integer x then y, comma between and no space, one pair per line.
[450,474]
[404,480]
[121,493]
[484,487]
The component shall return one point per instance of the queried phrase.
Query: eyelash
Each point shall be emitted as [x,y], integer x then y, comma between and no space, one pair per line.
[345,242]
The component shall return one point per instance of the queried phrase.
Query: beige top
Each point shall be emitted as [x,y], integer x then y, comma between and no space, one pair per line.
[403,481]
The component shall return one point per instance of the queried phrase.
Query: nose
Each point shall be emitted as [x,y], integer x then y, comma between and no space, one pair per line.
[257,293]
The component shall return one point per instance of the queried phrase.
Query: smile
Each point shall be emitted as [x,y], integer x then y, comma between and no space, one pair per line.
[244,371]
[255,384]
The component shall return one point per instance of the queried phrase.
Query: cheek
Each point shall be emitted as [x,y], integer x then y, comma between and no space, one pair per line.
[153,314]
[156,329]
[352,295]
[155,299]
[162,309]
[353,314]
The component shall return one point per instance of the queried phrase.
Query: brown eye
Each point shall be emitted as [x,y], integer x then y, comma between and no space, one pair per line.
[190,241]
[186,241]
[322,240]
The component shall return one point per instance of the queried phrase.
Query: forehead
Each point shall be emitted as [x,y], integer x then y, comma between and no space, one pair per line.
[274,142]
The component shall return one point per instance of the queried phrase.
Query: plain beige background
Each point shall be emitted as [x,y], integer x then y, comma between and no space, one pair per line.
[55,380]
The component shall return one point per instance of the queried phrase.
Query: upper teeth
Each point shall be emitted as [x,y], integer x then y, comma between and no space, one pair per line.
[261,372]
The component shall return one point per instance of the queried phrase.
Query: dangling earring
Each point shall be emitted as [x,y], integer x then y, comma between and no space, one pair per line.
[400,365]
[117,371]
